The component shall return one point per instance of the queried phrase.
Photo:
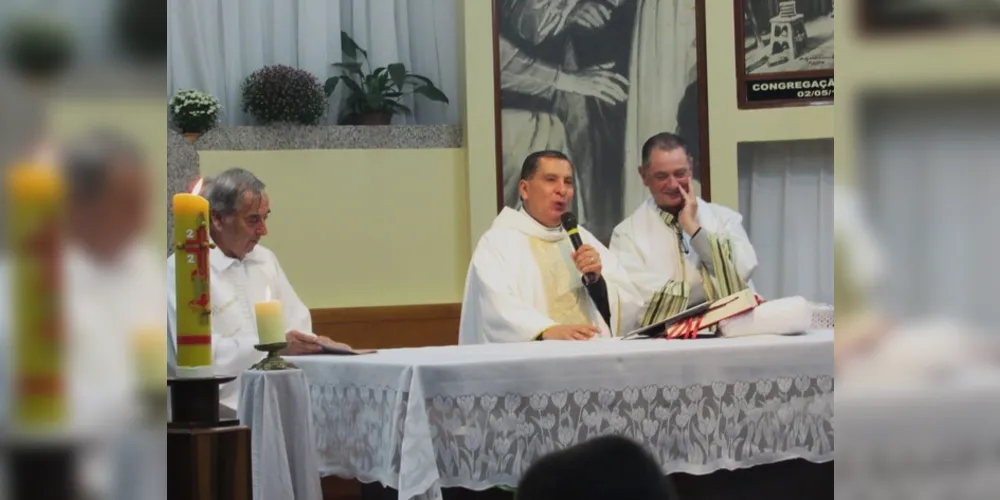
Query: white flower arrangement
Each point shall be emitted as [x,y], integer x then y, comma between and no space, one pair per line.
[193,111]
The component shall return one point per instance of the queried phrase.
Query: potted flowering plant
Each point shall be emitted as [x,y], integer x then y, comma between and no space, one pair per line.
[279,93]
[374,95]
[194,112]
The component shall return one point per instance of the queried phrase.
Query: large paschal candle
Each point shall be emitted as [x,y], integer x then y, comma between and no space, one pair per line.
[192,285]
[36,195]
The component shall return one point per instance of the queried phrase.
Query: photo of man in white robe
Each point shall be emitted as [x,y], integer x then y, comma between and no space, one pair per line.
[526,281]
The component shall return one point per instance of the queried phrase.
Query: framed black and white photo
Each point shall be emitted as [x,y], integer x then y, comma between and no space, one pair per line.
[784,52]
[595,79]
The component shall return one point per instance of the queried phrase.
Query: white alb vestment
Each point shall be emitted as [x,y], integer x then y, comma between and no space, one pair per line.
[650,251]
[236,286]
[522,281]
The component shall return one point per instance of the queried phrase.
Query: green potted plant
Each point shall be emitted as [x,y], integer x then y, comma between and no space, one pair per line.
[374,95]
[38,48]
[194,113]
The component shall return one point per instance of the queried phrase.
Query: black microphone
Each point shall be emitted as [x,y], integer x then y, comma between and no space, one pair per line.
[569,223]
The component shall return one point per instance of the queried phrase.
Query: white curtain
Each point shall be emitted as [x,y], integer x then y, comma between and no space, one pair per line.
[931,174]
[213,45]
[786,199]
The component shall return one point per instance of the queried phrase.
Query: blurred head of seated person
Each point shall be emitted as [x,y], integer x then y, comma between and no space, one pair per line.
[110,187]
[678,249]
[604,468]
[243,273]
[113,277]
[526,281]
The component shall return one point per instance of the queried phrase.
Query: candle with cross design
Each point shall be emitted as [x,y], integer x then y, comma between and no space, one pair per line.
[39,343]
[193,291]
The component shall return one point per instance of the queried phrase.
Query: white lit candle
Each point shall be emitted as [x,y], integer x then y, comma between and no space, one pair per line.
[270,320]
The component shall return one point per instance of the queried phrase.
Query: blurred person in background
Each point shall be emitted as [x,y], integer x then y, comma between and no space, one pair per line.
[874,350]
[114,290]
[114,283]
[243,272]
[858,268]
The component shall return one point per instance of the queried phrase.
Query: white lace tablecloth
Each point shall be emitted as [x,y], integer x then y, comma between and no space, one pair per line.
[276,407]
[478,416]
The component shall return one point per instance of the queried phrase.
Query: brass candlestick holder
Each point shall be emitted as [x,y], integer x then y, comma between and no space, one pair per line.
[273,361]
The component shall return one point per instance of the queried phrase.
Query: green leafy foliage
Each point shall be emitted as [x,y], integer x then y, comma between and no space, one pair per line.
[377,91]
[37,47]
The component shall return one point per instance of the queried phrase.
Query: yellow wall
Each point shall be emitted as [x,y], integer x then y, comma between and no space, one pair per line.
[364,227]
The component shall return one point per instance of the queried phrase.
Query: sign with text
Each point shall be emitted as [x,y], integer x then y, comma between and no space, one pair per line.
[788,90]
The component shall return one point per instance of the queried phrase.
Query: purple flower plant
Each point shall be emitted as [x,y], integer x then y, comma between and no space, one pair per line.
[280,93]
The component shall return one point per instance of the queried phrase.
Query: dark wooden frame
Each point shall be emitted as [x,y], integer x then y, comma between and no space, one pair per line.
[703,165]
[742,78]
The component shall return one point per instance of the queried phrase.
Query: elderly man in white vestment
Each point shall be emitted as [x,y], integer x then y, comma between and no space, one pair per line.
[243,272]
[680,250]
[526,282]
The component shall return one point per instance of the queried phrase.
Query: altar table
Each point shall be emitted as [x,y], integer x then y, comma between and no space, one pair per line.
[476,417]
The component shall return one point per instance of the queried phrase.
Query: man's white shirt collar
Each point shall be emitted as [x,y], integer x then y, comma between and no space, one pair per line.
[221,262]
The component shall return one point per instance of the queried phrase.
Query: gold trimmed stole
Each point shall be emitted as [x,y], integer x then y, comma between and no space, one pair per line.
[675,294]
[565,295]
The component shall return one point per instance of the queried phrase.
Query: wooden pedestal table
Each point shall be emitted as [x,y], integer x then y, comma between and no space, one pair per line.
[41,470]
[207,458]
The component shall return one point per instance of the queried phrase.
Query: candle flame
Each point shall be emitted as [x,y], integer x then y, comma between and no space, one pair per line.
[197,187]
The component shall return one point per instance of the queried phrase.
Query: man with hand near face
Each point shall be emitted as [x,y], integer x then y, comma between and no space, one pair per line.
[525,281]
[243,272]
[680,250]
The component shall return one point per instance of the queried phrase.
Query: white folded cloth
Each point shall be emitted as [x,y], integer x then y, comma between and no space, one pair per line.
[773,317]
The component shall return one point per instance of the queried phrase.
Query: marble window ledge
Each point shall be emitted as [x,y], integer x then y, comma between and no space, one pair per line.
[256,138]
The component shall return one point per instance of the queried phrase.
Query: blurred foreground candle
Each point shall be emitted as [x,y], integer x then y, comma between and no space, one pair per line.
[36,197]
[151,359]
[193,293]
[270,321]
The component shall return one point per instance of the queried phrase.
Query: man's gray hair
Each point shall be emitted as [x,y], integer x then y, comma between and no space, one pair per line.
[88,160]
[225,191]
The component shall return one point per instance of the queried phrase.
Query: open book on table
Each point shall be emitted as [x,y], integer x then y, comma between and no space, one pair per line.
[338,351]
[697,321]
